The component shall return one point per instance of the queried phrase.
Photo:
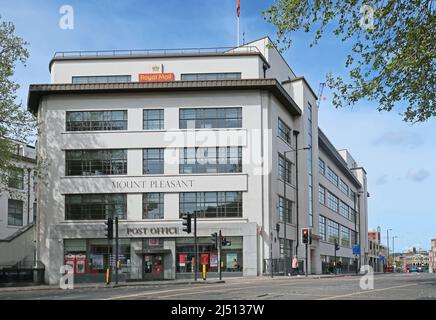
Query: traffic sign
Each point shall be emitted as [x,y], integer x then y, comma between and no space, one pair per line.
[356,249]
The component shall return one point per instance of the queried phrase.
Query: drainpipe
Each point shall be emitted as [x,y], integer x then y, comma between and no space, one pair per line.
[296,132]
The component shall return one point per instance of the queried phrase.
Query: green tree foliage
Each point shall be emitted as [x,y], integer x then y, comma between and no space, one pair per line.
[393,49]
[15,122]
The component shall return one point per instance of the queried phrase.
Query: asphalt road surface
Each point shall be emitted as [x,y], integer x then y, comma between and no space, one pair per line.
[407,286]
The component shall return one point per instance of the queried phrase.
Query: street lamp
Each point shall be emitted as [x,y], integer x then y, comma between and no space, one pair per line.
[393,250]
[286,173]
[387,241]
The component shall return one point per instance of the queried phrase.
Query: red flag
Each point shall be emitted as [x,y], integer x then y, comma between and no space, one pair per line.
[238,7]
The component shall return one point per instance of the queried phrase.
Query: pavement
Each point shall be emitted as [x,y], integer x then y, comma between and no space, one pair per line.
[408,286]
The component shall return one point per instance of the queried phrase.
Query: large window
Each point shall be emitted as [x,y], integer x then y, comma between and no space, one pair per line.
[211,204]
[210,118]
[333,231]
[101,79]
[95,206]
[321,167]
[153,161]
[344,210]
[332,202]
[96,120]
[321,194]
[285,248]
[210,160]
[285,169]
[15,212]
[153,119]
[343,187]
[285,210]
[345,236]
[16,178]
[210,76]
[332,176]
[96,162]
[322,226]
[231,256]
[284,131]
[153,205]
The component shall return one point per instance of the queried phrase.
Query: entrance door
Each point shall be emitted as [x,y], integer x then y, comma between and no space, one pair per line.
[153,267]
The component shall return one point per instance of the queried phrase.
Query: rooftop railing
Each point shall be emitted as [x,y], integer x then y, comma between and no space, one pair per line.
[142,52]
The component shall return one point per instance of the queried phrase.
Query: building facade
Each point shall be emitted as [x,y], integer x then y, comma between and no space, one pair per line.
[18,207]
[229,135]
[432,256]
[377,252]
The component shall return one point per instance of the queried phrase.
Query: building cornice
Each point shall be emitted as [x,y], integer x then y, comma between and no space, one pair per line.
[37,91]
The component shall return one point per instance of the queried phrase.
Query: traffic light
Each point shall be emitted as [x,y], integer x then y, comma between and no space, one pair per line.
[336,246]
[224,242]
[186,223]
[278,228]
[215,239]
[109,228]
[305,235]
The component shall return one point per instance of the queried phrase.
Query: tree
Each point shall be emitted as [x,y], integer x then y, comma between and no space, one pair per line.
[393,49]
[15,122]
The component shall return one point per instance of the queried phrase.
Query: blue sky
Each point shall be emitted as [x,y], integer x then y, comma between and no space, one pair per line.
[398,157]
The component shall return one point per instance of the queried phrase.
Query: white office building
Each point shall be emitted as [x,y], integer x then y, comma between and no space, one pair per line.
[229,135]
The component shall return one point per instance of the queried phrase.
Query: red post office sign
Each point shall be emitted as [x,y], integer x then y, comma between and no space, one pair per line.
[155,77]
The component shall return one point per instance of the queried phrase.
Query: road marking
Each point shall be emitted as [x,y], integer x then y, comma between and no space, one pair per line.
[367,291]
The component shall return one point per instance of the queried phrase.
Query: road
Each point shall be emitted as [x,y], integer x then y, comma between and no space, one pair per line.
[386,286]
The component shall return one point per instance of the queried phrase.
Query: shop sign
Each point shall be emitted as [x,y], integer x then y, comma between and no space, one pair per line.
[161,184]
[156,77]
[154,231]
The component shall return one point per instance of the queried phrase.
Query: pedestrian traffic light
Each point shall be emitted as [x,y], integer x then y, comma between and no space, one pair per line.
[224,242]
[278,228]
[109,228]
[186,223]
[305,235]
[215,239]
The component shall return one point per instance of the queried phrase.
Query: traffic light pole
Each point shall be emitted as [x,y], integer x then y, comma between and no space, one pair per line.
[195,247]
[219,255]
[116,250]
[307,259]
[335,257]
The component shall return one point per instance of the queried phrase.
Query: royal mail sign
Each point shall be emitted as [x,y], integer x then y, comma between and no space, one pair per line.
[155,77]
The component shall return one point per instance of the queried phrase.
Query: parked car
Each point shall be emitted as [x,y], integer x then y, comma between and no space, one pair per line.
[420,269]
[413,269]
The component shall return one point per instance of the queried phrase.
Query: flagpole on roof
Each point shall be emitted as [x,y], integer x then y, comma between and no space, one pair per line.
[238,12]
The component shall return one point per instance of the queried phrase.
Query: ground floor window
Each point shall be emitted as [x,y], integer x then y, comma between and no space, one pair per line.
[231,255]
[93,256]
[341,264]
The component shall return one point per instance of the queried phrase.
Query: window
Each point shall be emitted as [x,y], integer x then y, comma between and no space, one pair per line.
[96,120]
[343,187]
[96,162]
[345,236]
[210,118]
[285,169]
[154,119]
[95,206]
[211,160]
[210,76]
[352,195]
[211,204]
[101,79]
[284,131]
[321,194]
[285,210]
[16,178]
[332,202]
[321,167]
[333,231]
[344,210]
[285,248]
[153,205]
[15,212]
[332,176]
[322,233]
[153,161]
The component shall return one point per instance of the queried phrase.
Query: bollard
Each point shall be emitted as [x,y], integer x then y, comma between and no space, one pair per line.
[204,272]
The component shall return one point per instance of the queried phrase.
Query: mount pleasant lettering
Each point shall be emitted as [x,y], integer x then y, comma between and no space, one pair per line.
[153,184]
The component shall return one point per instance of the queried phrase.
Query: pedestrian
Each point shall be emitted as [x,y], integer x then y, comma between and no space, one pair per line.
[339,266]
[294,265]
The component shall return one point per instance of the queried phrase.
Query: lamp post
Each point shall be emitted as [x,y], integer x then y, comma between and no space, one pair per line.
[393,250]
[387,241]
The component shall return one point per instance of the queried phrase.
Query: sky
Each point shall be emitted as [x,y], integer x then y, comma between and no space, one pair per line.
[398,157]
